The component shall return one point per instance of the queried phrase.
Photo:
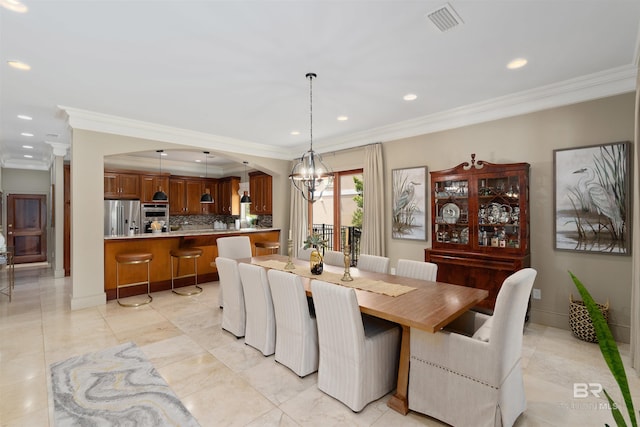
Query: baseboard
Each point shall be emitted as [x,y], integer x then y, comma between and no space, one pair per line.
[622,333]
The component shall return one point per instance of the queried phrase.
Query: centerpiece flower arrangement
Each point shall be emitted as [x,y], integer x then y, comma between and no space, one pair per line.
[316,242]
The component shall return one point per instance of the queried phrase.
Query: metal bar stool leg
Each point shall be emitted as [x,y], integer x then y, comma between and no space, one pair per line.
[186,253]
[134,258]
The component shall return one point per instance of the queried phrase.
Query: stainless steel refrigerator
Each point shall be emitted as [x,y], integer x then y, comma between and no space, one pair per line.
[120,216]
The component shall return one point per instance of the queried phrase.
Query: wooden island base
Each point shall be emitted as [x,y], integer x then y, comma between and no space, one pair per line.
[160,246]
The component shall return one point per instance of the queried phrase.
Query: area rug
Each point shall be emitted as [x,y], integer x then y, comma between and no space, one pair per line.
[114,387]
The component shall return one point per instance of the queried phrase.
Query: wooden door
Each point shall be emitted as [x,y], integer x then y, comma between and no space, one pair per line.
[149,184]
[129,186]
[111,190]
[27,227]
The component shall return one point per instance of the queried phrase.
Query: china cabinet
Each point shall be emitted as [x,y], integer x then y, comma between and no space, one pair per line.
[480,224]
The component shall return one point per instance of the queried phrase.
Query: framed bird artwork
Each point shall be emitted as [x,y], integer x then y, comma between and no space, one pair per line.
[592,198]
[409,202]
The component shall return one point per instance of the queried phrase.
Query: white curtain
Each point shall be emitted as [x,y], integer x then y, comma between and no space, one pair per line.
[373,229]
[635,250]
[299,220]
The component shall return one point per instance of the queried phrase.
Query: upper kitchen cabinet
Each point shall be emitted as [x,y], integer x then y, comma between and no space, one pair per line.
[152,183]
[184,196]
[121,185]
[261,194]
[228,202]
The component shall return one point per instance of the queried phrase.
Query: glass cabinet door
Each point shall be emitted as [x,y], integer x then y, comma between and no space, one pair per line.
[499,212]
[451,210]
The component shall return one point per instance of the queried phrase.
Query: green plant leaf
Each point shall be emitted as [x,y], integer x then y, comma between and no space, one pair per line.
[608,348]
[615,411]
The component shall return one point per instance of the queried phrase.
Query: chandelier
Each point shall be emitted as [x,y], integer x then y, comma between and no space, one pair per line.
[310,175]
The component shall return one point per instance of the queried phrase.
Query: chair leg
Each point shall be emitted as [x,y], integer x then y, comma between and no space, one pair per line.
[195,275]
[118,286]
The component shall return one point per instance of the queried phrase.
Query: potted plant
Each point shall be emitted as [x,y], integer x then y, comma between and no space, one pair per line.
[316,242]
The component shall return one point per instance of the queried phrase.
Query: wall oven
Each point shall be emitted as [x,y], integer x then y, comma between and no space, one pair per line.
[154,212]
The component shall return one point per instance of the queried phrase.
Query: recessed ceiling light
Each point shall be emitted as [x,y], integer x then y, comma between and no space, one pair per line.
[343,118]
[19,65]
[14,6]
[163,154]
[410,97]
[26,134]
[517,63]
[295,132]
[28,147]
[23,117]
[28,156]
[198,160]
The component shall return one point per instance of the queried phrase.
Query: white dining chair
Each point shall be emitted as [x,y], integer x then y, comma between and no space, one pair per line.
[358,353]
[333,258]
[304,254]
[373,263]
[417,269]
[473,377]
[234,314]
[234,247]
[296,328]
[260,330]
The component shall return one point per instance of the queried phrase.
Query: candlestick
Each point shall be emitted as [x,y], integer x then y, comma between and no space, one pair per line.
[289,265]
[347,264]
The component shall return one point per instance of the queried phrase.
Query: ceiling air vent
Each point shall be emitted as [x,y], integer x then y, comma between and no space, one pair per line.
[445,18]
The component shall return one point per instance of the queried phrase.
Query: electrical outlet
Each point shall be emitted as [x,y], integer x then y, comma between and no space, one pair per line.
[393,271]
[537,294]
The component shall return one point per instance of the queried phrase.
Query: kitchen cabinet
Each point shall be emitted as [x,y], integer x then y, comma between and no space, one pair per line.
[184,196]
[149,184]
[228,202]
[480,224]
[121,185]
[260,185]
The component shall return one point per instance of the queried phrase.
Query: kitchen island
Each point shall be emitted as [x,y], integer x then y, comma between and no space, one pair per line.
[160,245]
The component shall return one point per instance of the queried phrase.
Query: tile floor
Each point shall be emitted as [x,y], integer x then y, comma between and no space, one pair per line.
[224,382]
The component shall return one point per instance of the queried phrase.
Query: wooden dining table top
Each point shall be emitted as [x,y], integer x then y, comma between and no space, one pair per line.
[429,307]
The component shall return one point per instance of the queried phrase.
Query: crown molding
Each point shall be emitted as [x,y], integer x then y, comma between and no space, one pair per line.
[585,88]
[99,122]
[612,82]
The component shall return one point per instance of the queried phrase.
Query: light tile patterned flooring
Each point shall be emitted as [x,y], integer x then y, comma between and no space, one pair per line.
[224,382]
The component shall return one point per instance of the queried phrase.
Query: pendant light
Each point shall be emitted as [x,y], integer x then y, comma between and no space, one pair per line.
[310,175]
[206,197]
[160,196]
[245,197]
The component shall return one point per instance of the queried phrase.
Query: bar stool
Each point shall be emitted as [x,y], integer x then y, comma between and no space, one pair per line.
[133,258]
[272,247]
[186,253]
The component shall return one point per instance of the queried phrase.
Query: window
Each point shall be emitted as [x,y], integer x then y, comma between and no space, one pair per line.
[340,208]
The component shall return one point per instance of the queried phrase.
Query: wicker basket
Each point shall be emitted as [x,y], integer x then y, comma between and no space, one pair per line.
[580,321]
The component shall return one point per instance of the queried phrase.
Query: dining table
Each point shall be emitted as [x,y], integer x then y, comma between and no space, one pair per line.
[412,303]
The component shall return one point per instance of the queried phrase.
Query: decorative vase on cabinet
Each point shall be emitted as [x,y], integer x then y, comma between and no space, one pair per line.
[480,224]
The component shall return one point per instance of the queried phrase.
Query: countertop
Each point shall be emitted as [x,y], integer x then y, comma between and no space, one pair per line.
[201,232]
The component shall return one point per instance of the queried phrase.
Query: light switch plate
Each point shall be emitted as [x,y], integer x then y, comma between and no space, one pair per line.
[537,294]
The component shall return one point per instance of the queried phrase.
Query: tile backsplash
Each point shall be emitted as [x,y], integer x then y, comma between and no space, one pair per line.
[195,222]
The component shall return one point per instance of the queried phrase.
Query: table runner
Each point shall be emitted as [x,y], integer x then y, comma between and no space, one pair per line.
[362,283]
